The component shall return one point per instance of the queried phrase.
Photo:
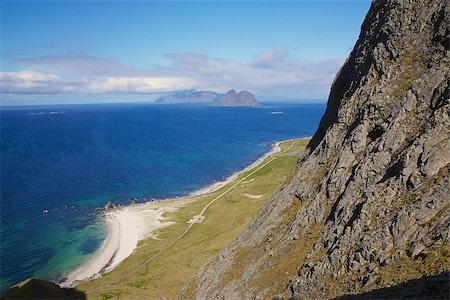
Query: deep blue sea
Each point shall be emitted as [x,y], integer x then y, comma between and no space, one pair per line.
[59,163]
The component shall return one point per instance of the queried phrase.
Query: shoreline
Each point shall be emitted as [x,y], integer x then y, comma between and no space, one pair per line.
[126,227]
[130,224]
[275,148]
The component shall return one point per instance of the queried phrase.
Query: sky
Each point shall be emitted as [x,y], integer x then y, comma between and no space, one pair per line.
[69,51]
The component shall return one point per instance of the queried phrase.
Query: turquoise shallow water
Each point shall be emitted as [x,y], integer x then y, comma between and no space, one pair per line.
[60,163]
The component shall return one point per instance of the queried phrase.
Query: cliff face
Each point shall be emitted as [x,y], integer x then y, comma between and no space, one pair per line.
[231,98]
[189,96]
[243,98]
[368,204]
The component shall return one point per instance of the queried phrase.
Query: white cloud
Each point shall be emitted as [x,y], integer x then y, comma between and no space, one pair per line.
[81,64]
[138,85]
[270,74]
[270,58]
[32,82]
[28,76]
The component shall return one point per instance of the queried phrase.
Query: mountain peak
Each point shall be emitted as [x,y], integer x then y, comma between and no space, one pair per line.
[231,92]
[243,98]
[231,98]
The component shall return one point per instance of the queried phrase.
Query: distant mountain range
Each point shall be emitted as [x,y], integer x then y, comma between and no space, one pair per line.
[231,98]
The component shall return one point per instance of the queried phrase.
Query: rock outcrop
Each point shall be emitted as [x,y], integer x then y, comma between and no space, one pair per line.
[368,204]
[189,96]
[231,98]
[243,98]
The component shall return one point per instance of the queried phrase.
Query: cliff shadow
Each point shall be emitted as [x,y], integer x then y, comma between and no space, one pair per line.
[41,289]
[427,287]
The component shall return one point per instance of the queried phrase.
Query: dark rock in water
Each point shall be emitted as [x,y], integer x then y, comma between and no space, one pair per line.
[109,206]
[41,289]
[368,206]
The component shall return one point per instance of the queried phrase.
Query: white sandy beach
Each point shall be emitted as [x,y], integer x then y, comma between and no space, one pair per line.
[130,224]
[126,227]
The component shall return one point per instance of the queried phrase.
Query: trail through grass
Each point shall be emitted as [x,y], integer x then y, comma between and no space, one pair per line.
[160,267]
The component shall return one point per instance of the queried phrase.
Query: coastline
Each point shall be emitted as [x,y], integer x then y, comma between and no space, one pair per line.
[128,225]
[275,148]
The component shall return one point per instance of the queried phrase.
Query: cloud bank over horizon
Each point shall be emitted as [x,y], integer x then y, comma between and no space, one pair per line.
[272,74]
[58,52]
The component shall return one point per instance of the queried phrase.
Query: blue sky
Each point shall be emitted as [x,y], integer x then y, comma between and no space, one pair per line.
[118,51]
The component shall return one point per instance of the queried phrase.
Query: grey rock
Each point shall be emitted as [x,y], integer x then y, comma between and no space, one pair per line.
[231,98]
[374,178]
[416,249]
[243,98]
[109,206]
[189,96]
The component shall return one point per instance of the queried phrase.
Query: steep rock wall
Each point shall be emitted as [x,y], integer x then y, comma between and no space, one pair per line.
[368,204]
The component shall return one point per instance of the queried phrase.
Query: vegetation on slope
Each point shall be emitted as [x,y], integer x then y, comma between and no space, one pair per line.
[165,275]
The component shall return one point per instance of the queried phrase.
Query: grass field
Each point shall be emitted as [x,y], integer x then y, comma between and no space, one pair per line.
[167,271]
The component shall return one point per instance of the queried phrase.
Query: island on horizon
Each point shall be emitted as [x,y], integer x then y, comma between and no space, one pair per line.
[230,98]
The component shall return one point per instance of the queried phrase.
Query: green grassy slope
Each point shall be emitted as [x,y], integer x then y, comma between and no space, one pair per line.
[164,275]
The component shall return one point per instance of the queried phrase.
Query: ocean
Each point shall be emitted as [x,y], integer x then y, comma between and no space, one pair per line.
[59,164]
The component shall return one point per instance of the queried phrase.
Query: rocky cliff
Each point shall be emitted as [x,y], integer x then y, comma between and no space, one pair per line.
[243,98]
[231,98]
[189,96]
[367,206]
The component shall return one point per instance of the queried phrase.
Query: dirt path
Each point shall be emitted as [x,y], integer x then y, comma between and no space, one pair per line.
[191,224]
